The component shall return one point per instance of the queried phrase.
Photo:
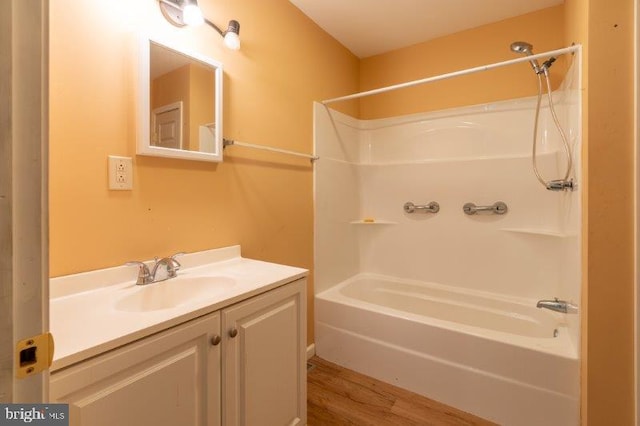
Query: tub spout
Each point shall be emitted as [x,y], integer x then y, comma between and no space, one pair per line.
[558,306]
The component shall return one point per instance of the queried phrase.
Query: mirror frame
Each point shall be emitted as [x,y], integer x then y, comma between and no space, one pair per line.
[143,145]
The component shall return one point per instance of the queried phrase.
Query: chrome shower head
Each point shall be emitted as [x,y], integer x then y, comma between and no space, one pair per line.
[522,47]
[527,49]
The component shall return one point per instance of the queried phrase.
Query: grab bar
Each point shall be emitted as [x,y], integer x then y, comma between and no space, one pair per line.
[496,208]
[432,207]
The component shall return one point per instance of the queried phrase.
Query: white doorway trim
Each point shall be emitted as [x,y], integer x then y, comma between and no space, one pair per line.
[24,273]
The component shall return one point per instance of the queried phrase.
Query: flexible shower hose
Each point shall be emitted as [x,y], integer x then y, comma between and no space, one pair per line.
[565,142]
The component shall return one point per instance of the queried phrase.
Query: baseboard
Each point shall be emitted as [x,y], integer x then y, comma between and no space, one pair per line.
[311,350]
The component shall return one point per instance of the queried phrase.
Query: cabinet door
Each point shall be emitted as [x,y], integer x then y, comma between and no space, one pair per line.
[172,378]
[264,359]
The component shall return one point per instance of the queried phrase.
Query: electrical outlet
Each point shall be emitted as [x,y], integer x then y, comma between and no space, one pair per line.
[120,173]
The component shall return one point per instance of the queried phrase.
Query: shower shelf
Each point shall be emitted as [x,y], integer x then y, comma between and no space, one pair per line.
[375,222]
[537,231]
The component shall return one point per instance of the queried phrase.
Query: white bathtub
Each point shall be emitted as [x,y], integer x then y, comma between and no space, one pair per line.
[485,354]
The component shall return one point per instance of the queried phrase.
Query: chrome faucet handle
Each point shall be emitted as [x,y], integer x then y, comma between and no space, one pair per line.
[156,267]
[171,266]
[176,264]
[144,276]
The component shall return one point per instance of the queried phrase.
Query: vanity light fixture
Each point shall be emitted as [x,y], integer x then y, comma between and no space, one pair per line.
[186,12]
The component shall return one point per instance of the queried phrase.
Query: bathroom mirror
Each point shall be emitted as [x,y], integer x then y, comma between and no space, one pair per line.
[180,102]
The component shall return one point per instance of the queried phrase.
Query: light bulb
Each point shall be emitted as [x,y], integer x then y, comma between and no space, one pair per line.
[192,15]
[232,41]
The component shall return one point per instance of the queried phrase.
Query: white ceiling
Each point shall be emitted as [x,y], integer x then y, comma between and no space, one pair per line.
[371,27]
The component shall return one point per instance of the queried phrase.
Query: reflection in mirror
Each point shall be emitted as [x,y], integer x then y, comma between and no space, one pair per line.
[182,102]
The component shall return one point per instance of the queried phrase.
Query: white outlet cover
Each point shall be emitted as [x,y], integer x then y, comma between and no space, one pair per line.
[120,173]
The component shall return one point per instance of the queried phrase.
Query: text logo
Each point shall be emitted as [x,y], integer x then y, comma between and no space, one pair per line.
[34,414]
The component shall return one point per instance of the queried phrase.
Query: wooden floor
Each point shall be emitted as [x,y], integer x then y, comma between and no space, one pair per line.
[337,396]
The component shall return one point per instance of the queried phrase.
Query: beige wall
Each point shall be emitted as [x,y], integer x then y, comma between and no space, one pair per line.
[263,202]
[475,47]
[201,102]
[605,29]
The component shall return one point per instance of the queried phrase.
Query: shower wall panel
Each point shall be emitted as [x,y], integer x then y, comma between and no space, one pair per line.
[337,198]
[480,154]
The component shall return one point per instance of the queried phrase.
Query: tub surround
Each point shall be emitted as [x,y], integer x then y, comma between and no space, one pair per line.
[370,169]
[451,311]
[85,320]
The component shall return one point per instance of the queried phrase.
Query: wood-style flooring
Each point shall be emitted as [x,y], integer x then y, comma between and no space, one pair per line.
[337,396]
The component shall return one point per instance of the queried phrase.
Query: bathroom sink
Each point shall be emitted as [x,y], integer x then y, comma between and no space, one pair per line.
[172,293]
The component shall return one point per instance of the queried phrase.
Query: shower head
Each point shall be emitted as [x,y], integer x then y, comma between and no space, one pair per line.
[522,47]
[527,49]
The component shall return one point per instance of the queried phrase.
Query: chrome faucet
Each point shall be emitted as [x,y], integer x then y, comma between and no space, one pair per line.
[163,269]
[144,276]
[558,306]
[171,266]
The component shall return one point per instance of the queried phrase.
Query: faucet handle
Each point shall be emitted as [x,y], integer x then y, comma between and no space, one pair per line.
[144,276]
[142,265]
[177,264]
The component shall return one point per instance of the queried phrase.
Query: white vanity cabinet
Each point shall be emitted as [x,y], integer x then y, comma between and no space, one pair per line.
[171,378]
[264,362]
[244,364]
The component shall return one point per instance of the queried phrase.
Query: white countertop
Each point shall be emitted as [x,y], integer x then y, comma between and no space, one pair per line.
[85,320]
